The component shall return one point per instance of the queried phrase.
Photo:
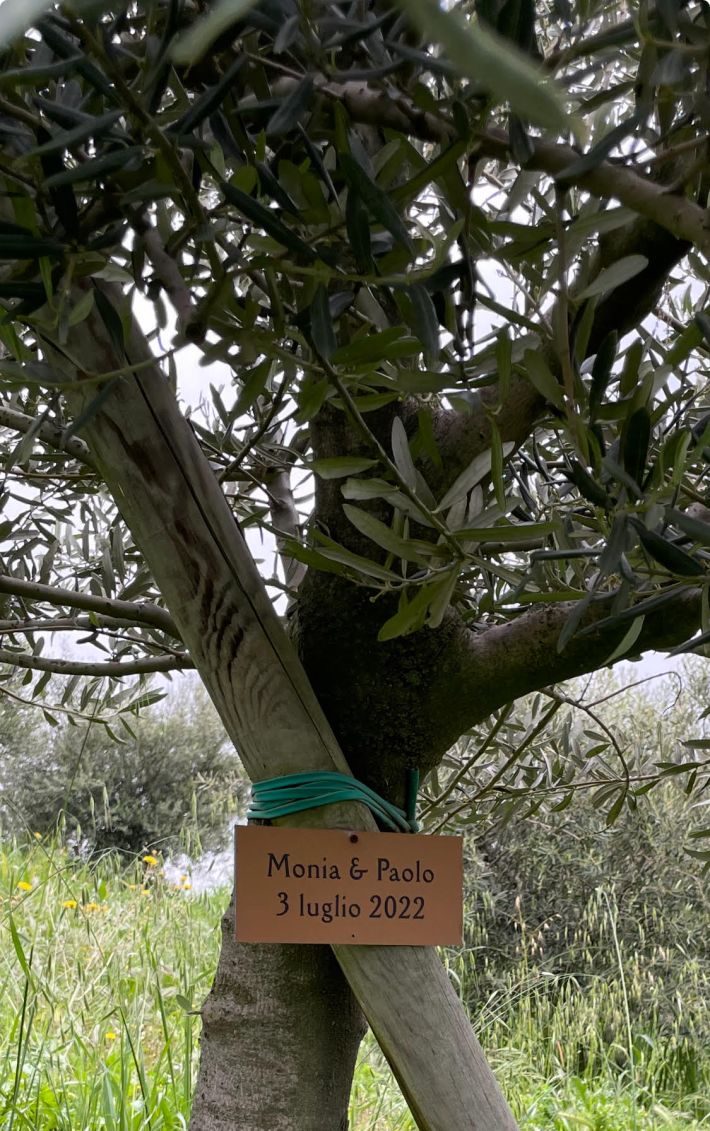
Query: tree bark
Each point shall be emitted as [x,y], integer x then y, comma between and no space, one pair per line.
[281,1018]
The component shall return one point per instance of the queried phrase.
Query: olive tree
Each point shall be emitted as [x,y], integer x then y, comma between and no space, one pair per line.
[448,268]
[170,784]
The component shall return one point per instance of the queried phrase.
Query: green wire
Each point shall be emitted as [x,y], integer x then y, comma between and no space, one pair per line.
[294,793]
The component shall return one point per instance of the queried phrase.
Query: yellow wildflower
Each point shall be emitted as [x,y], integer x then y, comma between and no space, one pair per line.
[184,879]
[151,861]
[70,904]
[145,891]
[133,887]
[37,836]
[187,887]
[24,886]
[91,907]
[111,1036]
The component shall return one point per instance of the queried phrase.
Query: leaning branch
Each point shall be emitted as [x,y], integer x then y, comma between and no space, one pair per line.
[679,216]
[510,660]
[146,666]
[134,612]
[48,432]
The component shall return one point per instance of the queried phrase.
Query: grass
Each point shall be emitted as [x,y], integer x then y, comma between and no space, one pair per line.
[102,968]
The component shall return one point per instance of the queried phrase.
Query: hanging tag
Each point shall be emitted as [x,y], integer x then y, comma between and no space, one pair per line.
[336,886]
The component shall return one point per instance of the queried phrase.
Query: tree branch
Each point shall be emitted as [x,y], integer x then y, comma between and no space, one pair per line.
[613,36]
[509,660]
[167,270]
[48,432]
[58,708]
[385,108]
[136,613]
[276,480]
[460,436]
[681,218]
[92,625]
[678,215]
[284,518]
[668,224]
[105,667]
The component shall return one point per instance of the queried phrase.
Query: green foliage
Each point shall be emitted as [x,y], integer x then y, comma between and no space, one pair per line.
[97,1018]
[325,266]
[586,916]
[558,896]
[172,783]
[553,864]
[583,752]
[325,197]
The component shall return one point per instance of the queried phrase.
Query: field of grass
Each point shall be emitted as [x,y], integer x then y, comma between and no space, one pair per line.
[102,967]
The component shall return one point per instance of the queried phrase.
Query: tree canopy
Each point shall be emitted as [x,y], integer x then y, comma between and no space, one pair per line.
[435,303]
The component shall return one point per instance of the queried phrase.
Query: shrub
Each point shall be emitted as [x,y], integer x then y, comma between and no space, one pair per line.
[172,784]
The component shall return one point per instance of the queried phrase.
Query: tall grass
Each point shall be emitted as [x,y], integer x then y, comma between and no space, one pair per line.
[100,971]
[102,968]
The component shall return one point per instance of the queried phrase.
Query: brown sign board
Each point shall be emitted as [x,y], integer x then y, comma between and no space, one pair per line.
[337,886]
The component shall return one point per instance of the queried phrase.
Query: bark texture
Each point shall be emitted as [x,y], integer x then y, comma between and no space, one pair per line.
[280,1028]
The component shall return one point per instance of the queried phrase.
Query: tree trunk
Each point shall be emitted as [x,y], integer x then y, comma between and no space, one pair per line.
[302,1030]
[281,1031]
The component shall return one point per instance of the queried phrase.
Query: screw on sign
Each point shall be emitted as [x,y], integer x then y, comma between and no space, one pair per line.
[335,886]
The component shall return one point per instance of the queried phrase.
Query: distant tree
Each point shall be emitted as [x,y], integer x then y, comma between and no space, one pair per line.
[170,784]
[549,833]
[451,265]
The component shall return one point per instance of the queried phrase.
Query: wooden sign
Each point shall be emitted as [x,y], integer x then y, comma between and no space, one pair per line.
[336,886]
